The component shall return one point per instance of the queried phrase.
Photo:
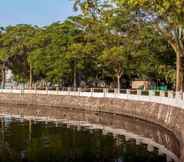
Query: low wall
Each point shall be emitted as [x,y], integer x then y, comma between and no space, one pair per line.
[167,116]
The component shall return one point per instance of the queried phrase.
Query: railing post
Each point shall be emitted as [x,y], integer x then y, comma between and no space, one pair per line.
[57,90]
[79,91]
[116,91]
[178,95]
[35,89]
[151,93]
[11,89]
[46,88]
[162,93]
[22,91]
[68,89]
[91,90]
[105,92]
[170,94]
[139,92]
[128,91]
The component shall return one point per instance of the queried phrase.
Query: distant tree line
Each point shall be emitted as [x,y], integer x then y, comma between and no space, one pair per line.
[114,43]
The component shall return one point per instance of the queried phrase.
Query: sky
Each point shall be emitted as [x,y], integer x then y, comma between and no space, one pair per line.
[35,12]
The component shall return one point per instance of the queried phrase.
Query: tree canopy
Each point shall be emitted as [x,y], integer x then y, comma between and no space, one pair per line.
[115,42]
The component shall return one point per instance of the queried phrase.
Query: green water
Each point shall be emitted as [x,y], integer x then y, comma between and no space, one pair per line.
[22,141]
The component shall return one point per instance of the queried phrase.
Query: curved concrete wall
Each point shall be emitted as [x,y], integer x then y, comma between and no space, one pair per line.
[167,116]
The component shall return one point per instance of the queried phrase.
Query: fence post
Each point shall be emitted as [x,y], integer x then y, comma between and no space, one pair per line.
[35,89]
[128,91]
[115,92]
[92,90]
[179,95]
[151,93]
[57,90]
[46,88]
[105,92]
[68,89]
[162,93]
[22,91]
[139,92]
[79,91]
[170,94]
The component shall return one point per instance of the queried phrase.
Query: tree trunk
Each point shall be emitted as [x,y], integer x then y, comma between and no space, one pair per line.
[30,77]
[174,39]
[75,76]
[30,130]
[182,72]
[118,83]
[3,76]
[179,71]
[179,51]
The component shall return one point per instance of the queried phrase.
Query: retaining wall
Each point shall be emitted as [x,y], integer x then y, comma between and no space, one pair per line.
[167,116]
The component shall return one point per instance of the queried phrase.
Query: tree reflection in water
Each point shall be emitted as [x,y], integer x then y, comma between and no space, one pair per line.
[26,141]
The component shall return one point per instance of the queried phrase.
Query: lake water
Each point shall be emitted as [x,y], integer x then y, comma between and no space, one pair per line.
[37,141]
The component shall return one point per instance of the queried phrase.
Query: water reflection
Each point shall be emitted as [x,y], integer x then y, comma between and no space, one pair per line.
[51,143]
[103,138]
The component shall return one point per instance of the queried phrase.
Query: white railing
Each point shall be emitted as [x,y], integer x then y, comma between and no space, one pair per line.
[163,97]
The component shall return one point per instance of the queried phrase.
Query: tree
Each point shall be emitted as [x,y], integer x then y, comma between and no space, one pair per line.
[88,6]
[15,47]
[55,53]
[47,58]
[83,51]
[74,56]
[2,61]
[81,48]
[166,17]
[117,58]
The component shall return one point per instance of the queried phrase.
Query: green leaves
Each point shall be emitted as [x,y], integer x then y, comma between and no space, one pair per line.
[3,54]
[109,44]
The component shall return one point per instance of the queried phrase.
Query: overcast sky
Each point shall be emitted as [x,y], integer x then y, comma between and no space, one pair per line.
[36,12]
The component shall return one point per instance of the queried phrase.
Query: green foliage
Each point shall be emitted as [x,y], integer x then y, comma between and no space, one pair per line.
[170,10]
[97,45]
